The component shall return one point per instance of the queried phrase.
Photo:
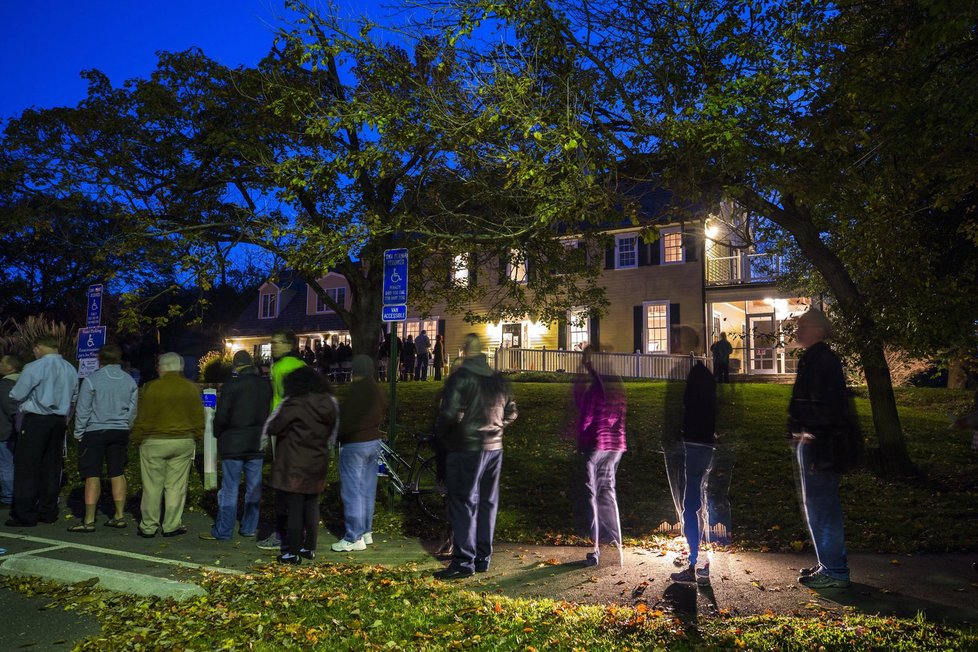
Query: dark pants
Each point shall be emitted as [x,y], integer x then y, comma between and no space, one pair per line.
[722,371]
[472,480]
[37,468]
[298,517]
[421,370]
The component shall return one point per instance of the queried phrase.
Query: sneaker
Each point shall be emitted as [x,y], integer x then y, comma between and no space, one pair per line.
[307,554]
[288,559]
[703,575]
[590,560]
[347,546]
[820,580]
[368,538]
[806,572]
[688,575]
[271,543]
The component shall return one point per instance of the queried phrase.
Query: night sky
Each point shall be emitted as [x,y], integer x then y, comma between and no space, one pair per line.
[44,44]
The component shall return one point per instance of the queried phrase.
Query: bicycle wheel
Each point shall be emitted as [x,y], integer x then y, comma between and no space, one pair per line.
[429,492]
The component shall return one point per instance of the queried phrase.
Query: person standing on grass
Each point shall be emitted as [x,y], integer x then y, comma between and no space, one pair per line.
[363,412]
[600,434]
[423,346]
[46,391]
[10,366]
[699,442]
[438,355]
[826,443]
[408,354]
[285,360]
[476,408]
[168,426]
[721,350]
[104,416]
[241,413]
[305,424]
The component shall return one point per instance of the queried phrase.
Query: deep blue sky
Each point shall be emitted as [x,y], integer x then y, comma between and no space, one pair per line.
[44,44]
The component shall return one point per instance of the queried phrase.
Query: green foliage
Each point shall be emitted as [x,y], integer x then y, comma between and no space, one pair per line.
[215,367]
[18,336]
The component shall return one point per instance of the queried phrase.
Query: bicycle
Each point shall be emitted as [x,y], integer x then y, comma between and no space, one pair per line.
[417,479]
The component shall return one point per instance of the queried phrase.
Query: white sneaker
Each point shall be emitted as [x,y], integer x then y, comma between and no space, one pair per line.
[368,538]
[345,546]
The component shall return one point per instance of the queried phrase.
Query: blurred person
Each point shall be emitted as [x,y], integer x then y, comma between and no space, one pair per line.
[826,443]
[305,423]
[242,410]
[408,354]
[423,346]
[438,355]
[363,410]
[599,431]
[169,423]
[10,367]
[104,415]
[46,392]
[476,408]
[721,350]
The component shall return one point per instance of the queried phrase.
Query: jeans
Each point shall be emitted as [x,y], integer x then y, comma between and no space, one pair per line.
[472,479]
[7,471]
[358,486]
[699,457]
[597,500]
[823,513]
[227,498]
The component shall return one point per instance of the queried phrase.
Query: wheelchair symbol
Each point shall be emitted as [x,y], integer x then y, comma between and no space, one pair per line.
[395,277]
[91,340]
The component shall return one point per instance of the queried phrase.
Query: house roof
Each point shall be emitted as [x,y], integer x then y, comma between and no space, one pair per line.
[291,311]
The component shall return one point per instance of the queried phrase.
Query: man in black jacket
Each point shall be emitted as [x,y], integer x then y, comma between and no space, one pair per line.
[476,407]
[241,413]
[825,444]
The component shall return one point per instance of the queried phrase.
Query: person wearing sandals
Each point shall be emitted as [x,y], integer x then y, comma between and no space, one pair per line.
[104,414]
[363,412]
[304,424]
[241,412]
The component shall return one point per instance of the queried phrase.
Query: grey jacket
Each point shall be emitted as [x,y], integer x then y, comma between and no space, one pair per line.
[477,406]
[106,401]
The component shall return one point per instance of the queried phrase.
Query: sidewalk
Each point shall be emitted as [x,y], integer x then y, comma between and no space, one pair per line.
[942,587]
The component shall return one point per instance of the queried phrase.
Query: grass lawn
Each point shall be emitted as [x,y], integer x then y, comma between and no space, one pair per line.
[356,607]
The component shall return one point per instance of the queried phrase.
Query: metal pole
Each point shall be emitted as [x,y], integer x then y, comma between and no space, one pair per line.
[392,366]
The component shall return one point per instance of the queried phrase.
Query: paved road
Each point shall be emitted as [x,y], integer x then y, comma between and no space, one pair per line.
[942,587]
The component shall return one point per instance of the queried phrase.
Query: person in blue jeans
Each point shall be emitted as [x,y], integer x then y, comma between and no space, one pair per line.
[10,366]
[699,440]
[826,443]
[242,409]
[362,411]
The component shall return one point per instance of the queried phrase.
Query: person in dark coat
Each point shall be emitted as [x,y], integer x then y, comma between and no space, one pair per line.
[476,408]
[699,441]
[721,350]
[305,424]
[438,355]
[408,354]
[241,414]
[826,443]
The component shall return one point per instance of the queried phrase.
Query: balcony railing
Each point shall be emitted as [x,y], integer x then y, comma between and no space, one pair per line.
[626,365]
[742,269]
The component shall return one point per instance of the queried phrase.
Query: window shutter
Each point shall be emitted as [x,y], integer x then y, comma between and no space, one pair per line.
[441,327]
[594,334]
[690,247]
[655,252]
[674,329]
[502,270]
[637,327]
[609,257]
[643,253]
[473,269]
[561,333]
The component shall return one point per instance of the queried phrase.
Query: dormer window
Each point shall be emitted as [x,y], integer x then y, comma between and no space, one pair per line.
[336,294]
[268,304]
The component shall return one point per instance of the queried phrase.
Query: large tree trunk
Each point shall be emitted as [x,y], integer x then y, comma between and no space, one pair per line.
[892,447]
[957,372]
[363,318]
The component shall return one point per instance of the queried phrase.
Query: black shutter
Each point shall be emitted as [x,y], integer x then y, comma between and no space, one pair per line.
[473,269]
[690,247]
[654,252]
[595,333]
[502,270]
[637,319]
[561,333]
[643,253]
[675,331]
[441,327]
[609,257]
[528,269]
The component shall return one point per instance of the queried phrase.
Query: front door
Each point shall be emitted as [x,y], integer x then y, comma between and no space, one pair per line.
[762,338]
[512,336]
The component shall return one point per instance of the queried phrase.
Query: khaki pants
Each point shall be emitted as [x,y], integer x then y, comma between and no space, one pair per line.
[165,469]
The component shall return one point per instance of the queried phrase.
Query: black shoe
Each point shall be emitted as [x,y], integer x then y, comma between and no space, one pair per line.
[288,559]
[307,554]
[179,532]
[48,520]
[482,568]
[453,573]
[16,522]
[145,535]
[590,560]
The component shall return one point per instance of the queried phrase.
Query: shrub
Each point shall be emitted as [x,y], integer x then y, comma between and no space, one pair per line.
[215,367]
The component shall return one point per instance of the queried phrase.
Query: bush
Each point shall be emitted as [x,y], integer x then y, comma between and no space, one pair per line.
[215,367]
[18,337]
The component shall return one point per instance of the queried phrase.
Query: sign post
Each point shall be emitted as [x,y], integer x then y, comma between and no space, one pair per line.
[394,311]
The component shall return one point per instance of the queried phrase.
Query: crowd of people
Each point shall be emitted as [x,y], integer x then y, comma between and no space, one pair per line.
[296,420]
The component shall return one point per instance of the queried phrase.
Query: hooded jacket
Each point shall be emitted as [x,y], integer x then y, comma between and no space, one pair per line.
[601,408]
[241,413]
[303,425]
[476,407]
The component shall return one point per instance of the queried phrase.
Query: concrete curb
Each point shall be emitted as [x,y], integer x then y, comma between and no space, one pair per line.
[69,572]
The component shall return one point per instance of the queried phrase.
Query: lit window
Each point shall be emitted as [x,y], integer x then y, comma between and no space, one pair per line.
[577,330]
[657,328]
[672,247]
[268,305]
[336,294]
[516,268]
[460,269]
[626,251]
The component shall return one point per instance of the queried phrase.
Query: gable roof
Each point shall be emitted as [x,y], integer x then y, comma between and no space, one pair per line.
[291,311]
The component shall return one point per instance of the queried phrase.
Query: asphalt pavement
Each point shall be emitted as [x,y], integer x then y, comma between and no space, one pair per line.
[941,587]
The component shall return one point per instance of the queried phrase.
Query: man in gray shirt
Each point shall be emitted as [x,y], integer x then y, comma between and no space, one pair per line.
[46,392]
[104,415]
[423,345]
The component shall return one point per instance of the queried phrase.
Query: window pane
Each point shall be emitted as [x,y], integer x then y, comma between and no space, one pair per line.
[672,247]
[657,328]
[460,270]
[577,332]
[627,254]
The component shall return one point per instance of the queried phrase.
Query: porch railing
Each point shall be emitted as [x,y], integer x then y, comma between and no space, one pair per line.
[742,268]
[626,365]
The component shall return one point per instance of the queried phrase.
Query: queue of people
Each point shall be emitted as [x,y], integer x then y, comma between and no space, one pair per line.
[296,419]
